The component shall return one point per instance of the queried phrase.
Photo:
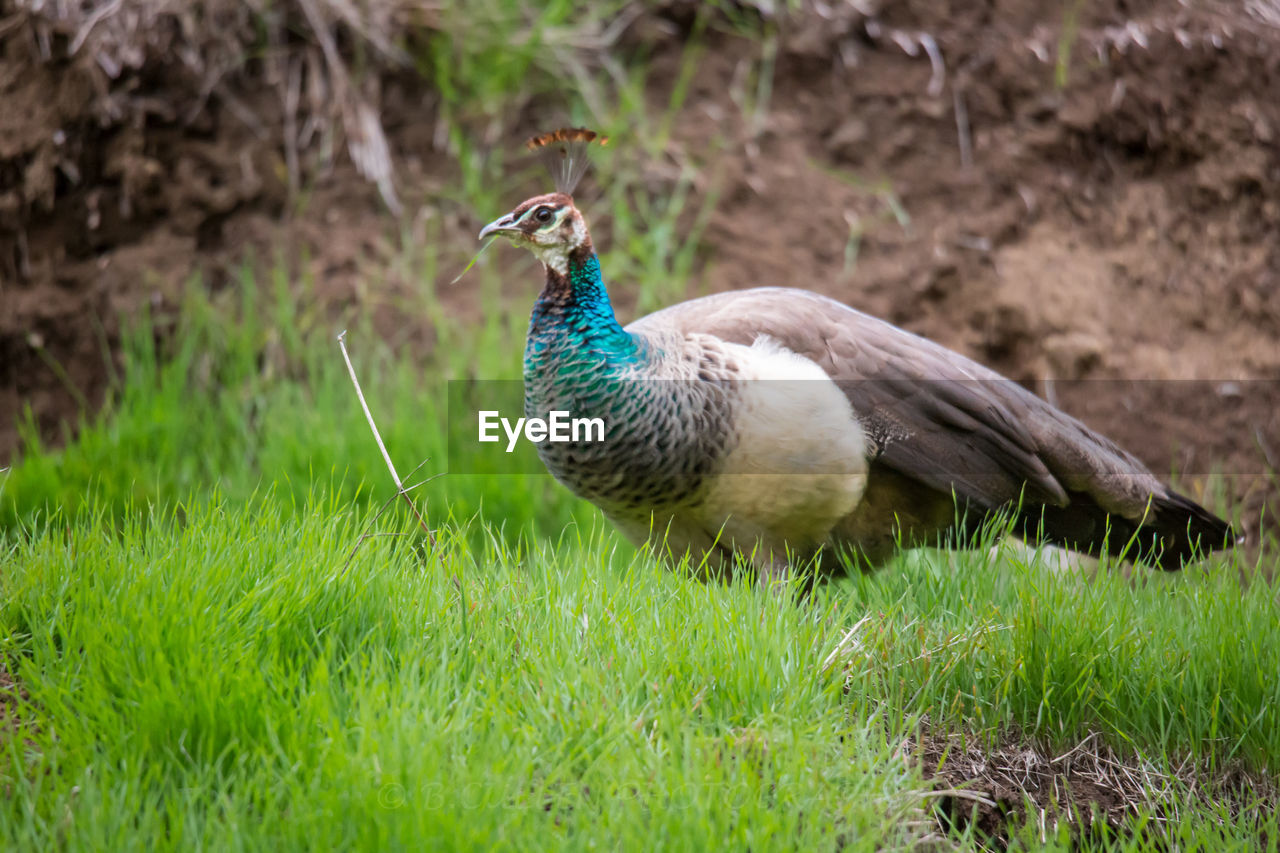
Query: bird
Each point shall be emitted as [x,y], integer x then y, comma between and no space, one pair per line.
[757,429]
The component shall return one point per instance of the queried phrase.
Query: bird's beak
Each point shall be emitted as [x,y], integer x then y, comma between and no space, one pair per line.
[504,224]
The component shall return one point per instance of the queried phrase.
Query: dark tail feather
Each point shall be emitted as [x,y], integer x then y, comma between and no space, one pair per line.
[1184,530]
[1177,529]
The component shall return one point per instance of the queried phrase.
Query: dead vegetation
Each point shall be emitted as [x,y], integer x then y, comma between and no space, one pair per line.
[142,138]
[118,52]
[1000,785]
[306,75]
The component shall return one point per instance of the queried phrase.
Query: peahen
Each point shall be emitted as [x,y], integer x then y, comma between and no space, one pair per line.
[763,426]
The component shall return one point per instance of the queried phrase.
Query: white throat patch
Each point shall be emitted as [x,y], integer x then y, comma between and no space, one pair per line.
[557,256]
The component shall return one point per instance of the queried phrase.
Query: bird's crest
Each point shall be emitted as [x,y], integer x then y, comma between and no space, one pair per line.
[566,153]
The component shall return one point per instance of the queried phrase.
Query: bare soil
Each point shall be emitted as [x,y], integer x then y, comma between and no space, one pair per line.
[1087,201]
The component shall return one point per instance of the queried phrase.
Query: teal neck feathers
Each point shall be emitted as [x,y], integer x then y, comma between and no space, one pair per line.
[573,330]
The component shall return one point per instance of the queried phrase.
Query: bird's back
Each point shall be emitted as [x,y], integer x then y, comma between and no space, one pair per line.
[941,425]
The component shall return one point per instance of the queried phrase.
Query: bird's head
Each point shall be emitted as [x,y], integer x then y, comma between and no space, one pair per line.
[547,225]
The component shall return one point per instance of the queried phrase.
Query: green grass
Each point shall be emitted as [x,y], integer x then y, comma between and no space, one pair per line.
[225,684]
[202,666]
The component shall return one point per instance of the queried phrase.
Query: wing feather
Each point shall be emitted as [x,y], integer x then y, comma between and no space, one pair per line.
[934,415]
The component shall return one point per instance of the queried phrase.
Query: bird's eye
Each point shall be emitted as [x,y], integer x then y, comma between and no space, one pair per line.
[542,214]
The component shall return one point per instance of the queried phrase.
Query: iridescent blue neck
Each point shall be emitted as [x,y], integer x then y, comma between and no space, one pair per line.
[573,321]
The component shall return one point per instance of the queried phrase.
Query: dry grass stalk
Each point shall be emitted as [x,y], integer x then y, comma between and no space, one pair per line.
[400,489]
[1088,782]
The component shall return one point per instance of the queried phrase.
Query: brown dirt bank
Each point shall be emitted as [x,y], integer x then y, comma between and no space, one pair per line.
[1089,195]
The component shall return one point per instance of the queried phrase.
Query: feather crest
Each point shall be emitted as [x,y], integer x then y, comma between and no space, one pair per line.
[566,154]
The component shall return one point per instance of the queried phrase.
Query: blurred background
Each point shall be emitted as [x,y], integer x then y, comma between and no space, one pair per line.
[196,196]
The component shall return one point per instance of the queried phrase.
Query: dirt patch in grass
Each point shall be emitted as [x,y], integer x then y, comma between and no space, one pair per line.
[1085,200]
[1014,786]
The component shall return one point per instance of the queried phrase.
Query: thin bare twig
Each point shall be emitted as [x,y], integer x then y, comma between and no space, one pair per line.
[962,127]
[976,796]
[342,342]
[291,88]
[91,22]
[849,644]
[366,534]
[938,77]
[1266,450]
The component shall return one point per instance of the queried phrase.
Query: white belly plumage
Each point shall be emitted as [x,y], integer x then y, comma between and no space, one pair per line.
[798,466]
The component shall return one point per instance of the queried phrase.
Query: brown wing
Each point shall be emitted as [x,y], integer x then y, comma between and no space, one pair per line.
[954,426]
